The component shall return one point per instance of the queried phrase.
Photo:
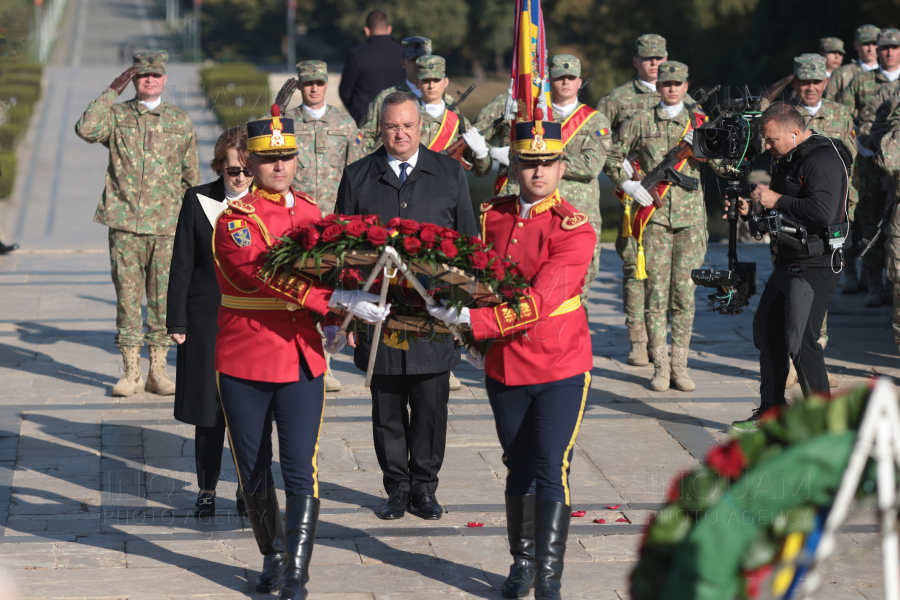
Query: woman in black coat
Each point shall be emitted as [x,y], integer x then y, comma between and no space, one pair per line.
[193,305]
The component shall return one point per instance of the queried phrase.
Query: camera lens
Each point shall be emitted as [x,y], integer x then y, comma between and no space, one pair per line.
[713,143]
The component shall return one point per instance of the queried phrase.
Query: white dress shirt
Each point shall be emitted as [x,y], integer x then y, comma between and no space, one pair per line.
[230,194]
[891,75]
[866,67]
[436,109]
[153,104]
[563,112]
[316,113]
[813,109]
[394,163]
[672,111]
[649,86]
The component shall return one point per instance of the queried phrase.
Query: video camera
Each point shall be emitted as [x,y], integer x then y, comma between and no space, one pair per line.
[732,138]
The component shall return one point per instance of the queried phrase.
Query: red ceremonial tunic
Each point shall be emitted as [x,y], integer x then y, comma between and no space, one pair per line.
[550,340]
[259,338]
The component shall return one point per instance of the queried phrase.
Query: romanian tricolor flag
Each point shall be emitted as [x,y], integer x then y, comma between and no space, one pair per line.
[530,86]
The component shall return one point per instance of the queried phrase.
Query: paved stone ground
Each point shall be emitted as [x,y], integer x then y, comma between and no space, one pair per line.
[96,492]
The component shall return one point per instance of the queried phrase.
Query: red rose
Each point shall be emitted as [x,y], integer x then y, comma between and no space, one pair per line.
[394,223]
[356,228]
[323,223]
[309,236]
[448,233]
[332,232]
[377,235]
[371,219]
[353,218]
[428,237]
[479,260]
[335,217]
[448,249]
[728,461]
[412,245]
[408,226]
[497,270]
[432,227]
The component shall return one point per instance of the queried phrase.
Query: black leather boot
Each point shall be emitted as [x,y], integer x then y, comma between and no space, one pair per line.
[301,521]
[551,531]
[265,518]
[520,530]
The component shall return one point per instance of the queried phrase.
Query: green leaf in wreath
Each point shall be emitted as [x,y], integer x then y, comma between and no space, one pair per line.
[761,552]
[670,527]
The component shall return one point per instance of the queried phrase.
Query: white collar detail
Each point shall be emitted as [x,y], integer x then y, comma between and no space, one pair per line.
[649,86]
[316,113]
[153,104]
[394,163]
[891,75]
[412,88]
[564,111]
[812,109]
[435,110]
[672,111]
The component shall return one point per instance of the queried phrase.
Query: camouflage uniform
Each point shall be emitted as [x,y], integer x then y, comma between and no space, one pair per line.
[499,135]
[843,75]
[326,145]
[413,48]
[674,239]
[872,194]
[888,157]
[434,67]
[152,161]
[827,45]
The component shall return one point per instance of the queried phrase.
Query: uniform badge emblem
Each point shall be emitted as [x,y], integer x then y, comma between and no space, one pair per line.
[241,237]
[576,220]
[277,139]
[245,208]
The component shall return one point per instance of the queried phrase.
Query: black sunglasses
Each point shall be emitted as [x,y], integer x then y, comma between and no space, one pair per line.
[235,171]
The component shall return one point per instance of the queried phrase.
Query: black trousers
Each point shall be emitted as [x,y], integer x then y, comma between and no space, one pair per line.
[787,325]
[409,425]
[297,408]
[537,426]
[208,445]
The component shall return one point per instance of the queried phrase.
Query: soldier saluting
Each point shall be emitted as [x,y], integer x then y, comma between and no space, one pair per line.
[152,161]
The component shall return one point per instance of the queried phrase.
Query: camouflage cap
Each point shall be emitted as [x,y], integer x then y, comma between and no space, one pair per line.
[672,70]
[831,44]
[150,62]
[810,67]
[867,34]
[649,45]
[565,64]
[431,66]
[759,176]
[416,46]
[888,37]
[312,70]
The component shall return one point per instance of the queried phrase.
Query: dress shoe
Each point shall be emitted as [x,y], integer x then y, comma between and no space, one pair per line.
[301,521]
[205,506]
[396,505]
[426,506]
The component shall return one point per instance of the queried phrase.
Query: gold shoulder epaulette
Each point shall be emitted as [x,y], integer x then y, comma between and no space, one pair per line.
[570,219]
[492,202]
[306,197]
[242,206]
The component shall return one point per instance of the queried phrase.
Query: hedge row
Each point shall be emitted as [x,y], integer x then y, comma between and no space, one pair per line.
[20,89]
[236,92]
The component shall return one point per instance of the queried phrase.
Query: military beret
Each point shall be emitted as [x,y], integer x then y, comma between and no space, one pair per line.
[888,37]
[649,45]
[431,66]
[416,46]
[565,64]
[759,176]
[672,70]
[150,62]
[312,70]
[810,66]
[867,34]
[831,44]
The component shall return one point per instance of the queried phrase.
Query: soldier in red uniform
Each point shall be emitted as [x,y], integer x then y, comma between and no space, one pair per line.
[269,356]
[538,367]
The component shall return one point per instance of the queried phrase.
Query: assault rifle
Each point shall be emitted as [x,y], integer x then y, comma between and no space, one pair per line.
[882,225]
[456,149]
[665,171]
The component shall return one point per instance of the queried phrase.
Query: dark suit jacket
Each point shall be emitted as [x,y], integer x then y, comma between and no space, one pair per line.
[192,307]
[436,191]
[370,68]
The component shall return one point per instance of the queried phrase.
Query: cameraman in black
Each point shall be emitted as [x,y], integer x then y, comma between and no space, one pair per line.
[809,185]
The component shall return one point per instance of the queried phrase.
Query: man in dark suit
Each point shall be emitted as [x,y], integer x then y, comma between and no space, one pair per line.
[371,67]
[405,179]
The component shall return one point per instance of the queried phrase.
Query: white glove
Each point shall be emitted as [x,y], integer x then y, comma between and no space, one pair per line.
[863,150]
[637,191]
[360,304]
[627,169]
[334,342]
[449,315]
[475,142]
[501,155]
[689,138]
[475,358]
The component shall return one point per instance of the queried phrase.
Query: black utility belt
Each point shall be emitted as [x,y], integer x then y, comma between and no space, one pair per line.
[814,246]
